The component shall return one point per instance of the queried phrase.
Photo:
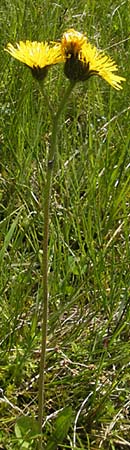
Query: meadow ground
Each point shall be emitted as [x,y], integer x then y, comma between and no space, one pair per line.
[88,348]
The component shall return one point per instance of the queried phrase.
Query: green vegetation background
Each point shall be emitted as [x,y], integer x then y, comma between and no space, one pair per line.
[88,336]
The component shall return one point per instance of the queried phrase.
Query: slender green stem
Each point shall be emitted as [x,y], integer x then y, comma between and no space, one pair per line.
[65,98]
[47,197]
[44,94]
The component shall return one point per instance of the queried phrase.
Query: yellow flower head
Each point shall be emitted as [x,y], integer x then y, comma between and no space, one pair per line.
[36,55]
[82,60]
[72,43]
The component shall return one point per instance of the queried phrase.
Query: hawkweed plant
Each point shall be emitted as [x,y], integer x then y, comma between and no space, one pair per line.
[80,61]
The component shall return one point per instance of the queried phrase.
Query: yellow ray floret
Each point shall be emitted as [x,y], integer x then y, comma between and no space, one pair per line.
[35,54]
[75,46]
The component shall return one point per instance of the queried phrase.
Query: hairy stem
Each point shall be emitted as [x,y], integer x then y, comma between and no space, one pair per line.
[47,198]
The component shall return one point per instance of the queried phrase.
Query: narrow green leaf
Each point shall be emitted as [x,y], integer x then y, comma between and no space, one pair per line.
[62,425]
[26,429]
[8,237]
